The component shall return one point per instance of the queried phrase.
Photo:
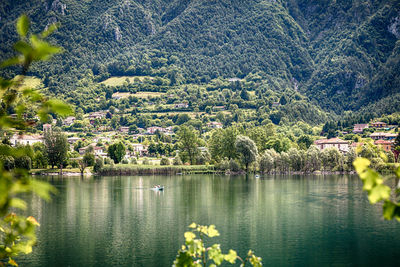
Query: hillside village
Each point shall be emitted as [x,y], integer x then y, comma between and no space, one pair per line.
[144,143]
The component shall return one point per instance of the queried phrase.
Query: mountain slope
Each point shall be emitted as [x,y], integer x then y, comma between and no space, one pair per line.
[343,55]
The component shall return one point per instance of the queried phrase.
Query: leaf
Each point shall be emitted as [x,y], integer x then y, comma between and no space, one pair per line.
[397,172]
[189,236]
[370,179]
[33,221]
[18,203]
[388,210]
[23,48]
[378,193]
[23,25]
[10,62]
[12,262]
[231,256]
[215,254]
[212,231]
[59,107]
[50,30]
[361,164]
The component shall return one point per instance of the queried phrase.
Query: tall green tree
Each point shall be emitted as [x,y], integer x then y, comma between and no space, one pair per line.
[56,148]
[116,152]
[188,142]
[247,150]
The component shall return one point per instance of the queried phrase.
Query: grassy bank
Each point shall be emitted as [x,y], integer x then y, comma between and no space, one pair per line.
[124,169]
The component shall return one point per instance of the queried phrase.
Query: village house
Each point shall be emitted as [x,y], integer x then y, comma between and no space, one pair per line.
[124,129]
[69,121]
[359,128]
[214,125]
[139,149]
[218,108]
[181,105]
[98,151]
[383,136]
[73,140]
[275,104]
[96,115]
[385,144]
[379,124]
[341,145]
[119,95]
[152,130]
[17,139]
[46,128]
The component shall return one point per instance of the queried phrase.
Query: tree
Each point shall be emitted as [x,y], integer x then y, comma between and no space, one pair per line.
[266,163]
[313,159]
[247,150]
[87,160]
[116,152]
[188,143]
[56,148]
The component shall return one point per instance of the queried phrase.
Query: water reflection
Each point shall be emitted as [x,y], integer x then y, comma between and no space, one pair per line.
[288,220]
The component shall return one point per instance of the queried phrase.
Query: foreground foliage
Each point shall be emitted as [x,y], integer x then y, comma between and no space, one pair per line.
[196,253]
[17,233]
[377,190]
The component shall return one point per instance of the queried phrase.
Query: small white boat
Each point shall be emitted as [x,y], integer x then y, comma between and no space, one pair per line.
[158,188]
[257,176]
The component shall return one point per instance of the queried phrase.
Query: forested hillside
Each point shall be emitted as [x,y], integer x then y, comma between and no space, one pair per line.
[329,55]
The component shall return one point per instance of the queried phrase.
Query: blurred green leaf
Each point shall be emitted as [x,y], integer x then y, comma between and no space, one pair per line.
[10,62]
[23,25]
[50,30]
[59,107]
[378,193]
[23,47]
[18,203]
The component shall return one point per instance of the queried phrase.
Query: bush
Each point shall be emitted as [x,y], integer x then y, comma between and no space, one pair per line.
[108,161]
[146,161]
[8,162]
[23,162]
[74,164]
[234,166]
[133,161]
[98,165]
[124,161]
[223,165]
[177,161]
[165,161]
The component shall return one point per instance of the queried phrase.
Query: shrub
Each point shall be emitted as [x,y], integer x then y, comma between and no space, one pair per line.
[234,166]
[74,164]
[23,162]
[133,161]
[146,161]
[108,161]
[124,161]
[177,161]
[165,161]
[98,165]
[8,162]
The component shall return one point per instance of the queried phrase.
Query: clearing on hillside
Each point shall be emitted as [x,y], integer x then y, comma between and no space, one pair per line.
[117,81]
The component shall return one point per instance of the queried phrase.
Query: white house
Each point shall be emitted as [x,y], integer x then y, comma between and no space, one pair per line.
[341,145]
[26,139]
[139,148]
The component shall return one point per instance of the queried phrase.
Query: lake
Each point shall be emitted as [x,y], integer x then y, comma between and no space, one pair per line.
[287,220]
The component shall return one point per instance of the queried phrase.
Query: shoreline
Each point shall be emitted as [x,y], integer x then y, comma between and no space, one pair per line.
[129,170]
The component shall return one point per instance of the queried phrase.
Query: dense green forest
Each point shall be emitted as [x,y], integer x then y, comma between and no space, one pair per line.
[317,59]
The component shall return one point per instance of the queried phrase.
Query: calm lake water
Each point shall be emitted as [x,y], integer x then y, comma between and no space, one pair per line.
[288,221]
